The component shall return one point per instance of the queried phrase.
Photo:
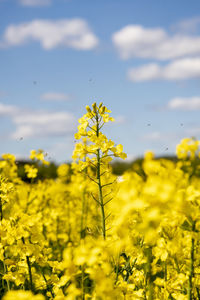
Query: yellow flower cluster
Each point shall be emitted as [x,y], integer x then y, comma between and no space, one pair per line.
[22,295]
[187,148]
[88,235]
[39,155]
[94,153]
[93,139]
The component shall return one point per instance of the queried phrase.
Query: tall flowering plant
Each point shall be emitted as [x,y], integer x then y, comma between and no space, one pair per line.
[96,151]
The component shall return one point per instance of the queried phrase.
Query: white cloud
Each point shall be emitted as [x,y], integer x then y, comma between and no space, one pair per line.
[186,68]
[137,41]
[70,33]
[7,110]
[179,103]
[119,119]
[195,132]
[57,97]
[43,124]
[2,93]
[35,2]
[153,136]
[187,25]
[61,150]
[38,123]
[131,157]
[166,141]
[145,72]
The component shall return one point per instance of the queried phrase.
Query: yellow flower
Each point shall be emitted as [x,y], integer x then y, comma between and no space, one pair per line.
[22,295]
[38,155]
[30,171]
[63,171]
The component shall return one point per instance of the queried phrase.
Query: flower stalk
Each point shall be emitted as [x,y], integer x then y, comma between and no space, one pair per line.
[29,269]
[149,273]
[100,151]
[191,271]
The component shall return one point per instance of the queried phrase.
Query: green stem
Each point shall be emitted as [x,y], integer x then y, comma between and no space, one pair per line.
[101,196]
[52,294]
[150,279]
[30,273]
[84,210]
[165,271]
[165,274]
[191,274]
[82,282]
[4,265]
[1,210]
[5,271]
[100,185]
[198,292]
[29,269]
[82,234]
[117,270]
[69,223]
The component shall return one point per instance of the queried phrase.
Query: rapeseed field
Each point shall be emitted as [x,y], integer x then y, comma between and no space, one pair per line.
[92,235]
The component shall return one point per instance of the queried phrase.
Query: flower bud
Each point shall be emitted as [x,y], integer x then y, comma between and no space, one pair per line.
[94,105]
[103,109]
[88,109]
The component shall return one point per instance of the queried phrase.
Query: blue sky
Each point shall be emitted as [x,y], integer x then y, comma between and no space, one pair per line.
[140,58]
